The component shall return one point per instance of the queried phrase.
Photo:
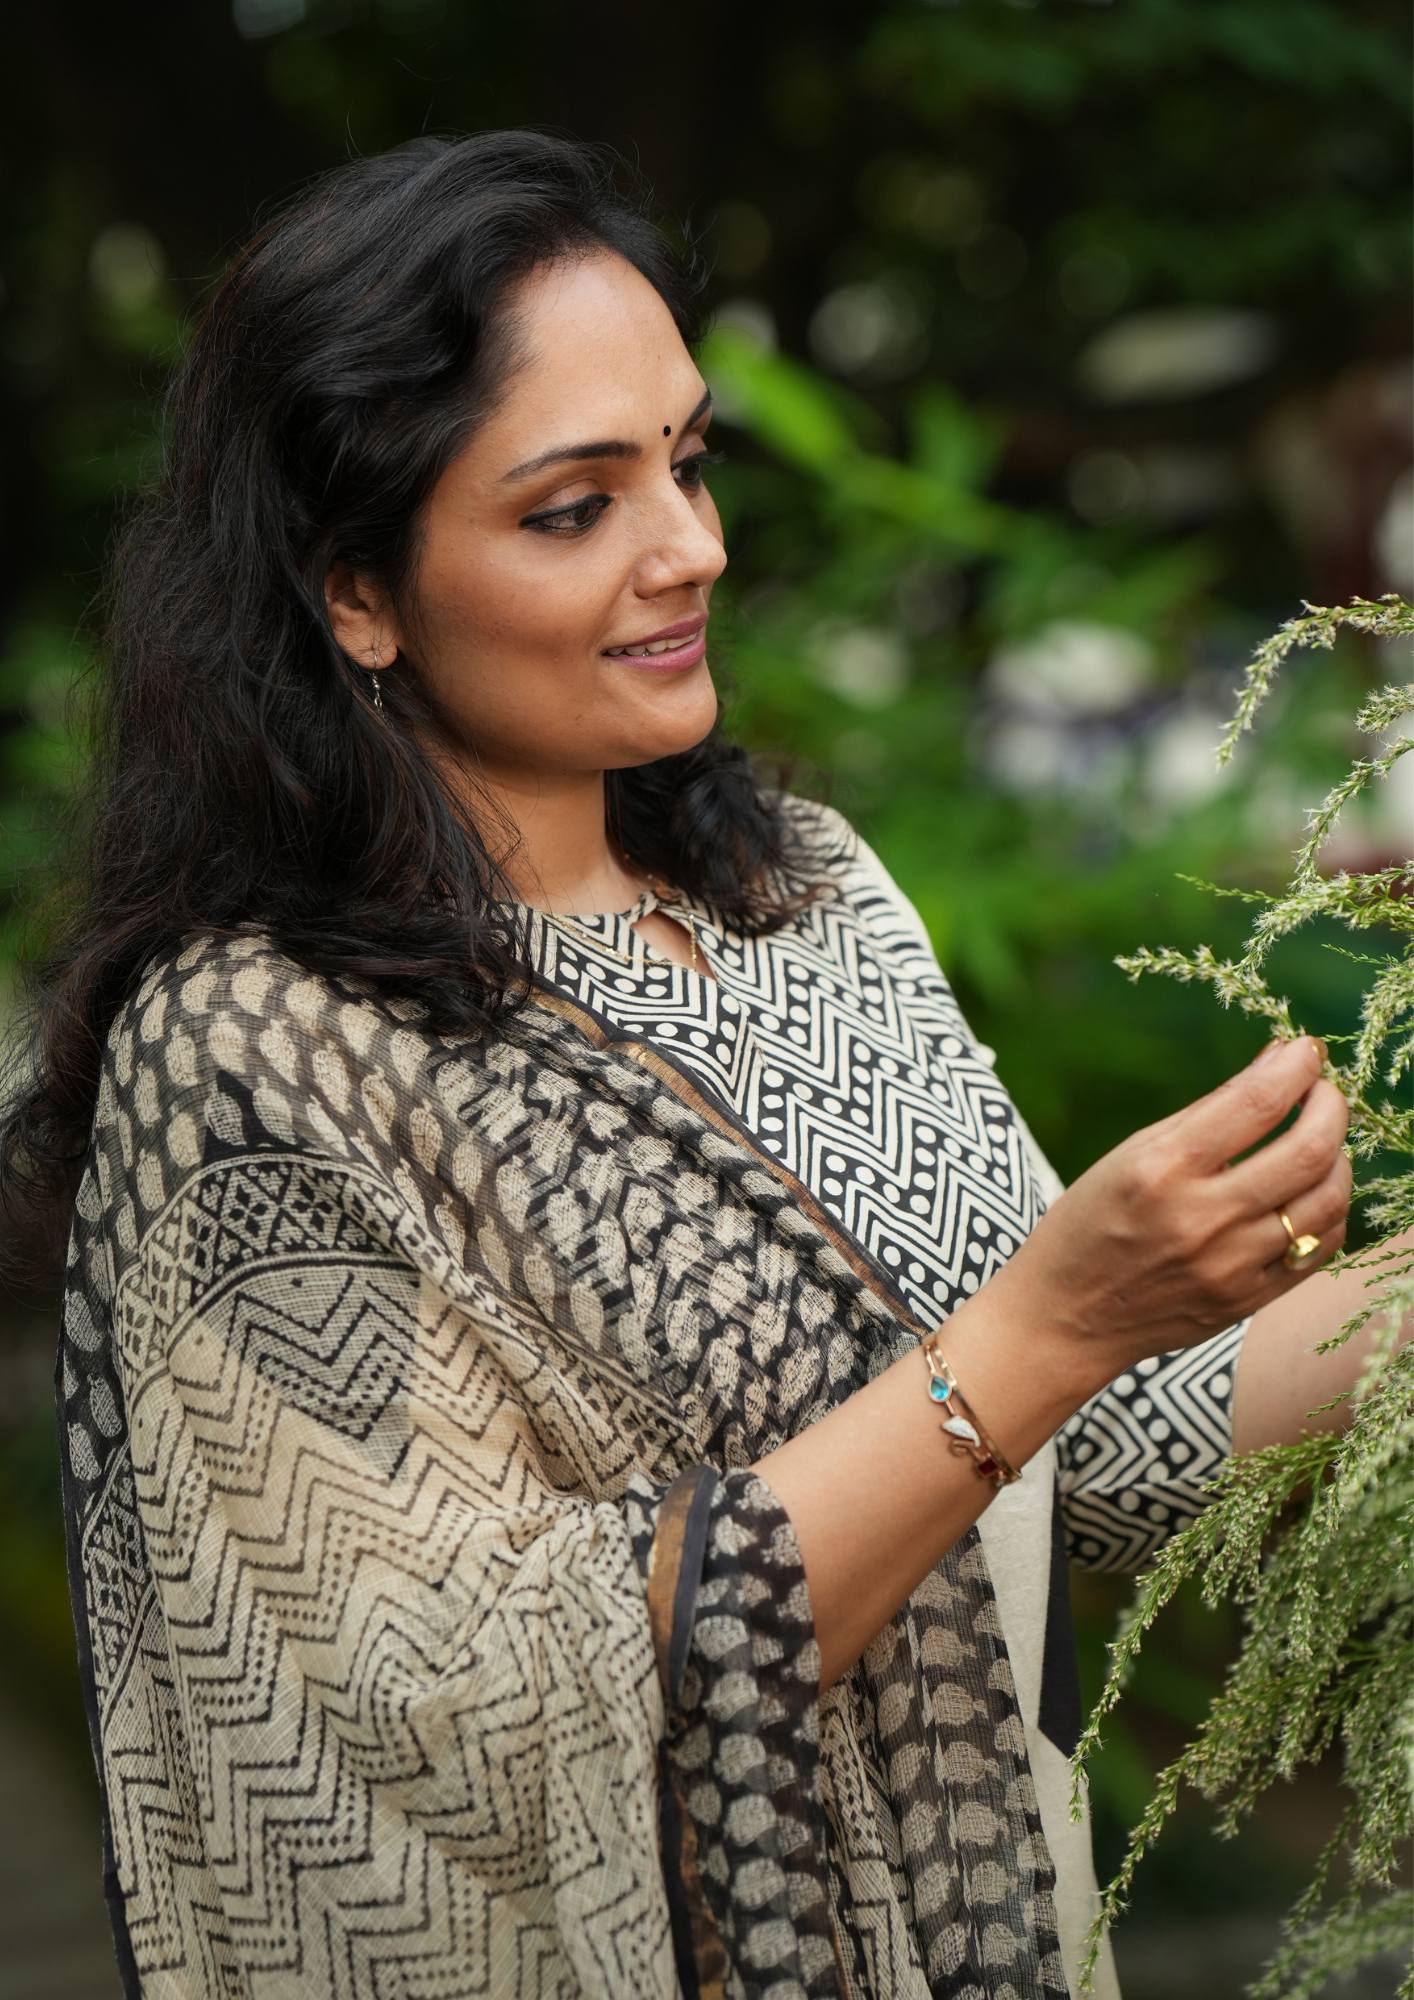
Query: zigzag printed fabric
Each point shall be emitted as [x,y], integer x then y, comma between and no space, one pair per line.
[385,1360]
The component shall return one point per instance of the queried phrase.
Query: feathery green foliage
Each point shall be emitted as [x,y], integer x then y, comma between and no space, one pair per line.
[1314,1539]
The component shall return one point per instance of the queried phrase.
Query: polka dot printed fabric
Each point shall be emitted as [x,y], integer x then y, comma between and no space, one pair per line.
[1133,1463]
[863,1082]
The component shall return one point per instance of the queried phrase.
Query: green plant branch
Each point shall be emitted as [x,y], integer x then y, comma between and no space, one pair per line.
[1313,1540]
[1321,626]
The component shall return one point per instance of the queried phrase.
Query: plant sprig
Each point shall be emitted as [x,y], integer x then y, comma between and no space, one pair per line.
[1314,1539]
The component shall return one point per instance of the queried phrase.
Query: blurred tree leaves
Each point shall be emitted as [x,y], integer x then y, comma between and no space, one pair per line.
[1213,149]
[1027,897]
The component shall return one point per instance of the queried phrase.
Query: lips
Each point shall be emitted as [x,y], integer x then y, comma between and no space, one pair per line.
[642,652]
[676,639]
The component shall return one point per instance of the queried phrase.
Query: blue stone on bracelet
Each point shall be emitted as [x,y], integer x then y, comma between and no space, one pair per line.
[939,1390]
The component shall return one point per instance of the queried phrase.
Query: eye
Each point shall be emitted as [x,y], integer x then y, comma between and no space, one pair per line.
[688,471]
[573,519]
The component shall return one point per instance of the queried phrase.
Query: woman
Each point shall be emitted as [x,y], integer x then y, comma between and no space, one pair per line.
[524,1539]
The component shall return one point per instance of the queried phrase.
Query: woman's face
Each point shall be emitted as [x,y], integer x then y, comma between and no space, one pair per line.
[574,531]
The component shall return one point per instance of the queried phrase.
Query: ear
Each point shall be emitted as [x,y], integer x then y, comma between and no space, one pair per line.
[361,615]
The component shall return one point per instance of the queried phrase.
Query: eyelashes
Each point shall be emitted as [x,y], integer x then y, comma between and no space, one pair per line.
[693,465]
[570,520]
[579,516]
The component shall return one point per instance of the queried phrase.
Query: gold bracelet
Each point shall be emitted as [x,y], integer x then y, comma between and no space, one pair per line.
[969,1439]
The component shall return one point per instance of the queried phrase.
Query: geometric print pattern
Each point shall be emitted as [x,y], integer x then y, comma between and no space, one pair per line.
[1135,1462]
[380,1352]
[838,1041]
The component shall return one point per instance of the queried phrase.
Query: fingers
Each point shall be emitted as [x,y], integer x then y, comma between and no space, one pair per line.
[1321,1213]
[1165,1238]
[1224,1227]
[1250,1104]
[1248,1271]
[1299,1161]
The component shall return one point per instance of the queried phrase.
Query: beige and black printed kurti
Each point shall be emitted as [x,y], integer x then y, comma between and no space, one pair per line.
[438,1638]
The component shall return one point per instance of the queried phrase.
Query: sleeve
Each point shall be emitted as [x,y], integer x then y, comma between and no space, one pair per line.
[742,1814]
[1135,1460]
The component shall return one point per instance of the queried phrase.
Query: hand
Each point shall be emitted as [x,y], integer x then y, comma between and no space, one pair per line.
[1163,1242]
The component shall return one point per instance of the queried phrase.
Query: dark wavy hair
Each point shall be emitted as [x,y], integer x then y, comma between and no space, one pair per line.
[240,777]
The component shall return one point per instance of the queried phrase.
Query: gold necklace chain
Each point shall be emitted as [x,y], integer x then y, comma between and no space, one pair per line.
[625,957]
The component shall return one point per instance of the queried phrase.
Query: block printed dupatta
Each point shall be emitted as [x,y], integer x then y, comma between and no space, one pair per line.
[436,1636]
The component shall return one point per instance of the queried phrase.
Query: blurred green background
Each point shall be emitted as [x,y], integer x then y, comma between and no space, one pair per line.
[1062,348]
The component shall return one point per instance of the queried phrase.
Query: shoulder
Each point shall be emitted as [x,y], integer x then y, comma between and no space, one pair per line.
[860,880]
[231,994]
[844,860]
[221,1014]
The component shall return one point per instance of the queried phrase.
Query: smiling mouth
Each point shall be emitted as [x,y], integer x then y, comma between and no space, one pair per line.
[653,647]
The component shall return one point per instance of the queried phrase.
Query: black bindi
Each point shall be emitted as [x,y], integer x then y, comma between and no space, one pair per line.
[667,430]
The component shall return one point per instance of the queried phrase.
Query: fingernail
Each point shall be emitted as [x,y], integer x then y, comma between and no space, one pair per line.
[1322,1051]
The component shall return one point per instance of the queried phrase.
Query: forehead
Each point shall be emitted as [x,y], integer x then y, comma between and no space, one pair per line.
[597,346]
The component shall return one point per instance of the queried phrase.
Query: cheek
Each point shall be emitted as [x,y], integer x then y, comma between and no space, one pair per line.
[521,607]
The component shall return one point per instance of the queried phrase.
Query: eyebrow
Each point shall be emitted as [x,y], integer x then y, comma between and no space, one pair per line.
[604,448]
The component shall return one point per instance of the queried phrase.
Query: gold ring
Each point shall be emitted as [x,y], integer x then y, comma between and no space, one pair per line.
[1301,1249]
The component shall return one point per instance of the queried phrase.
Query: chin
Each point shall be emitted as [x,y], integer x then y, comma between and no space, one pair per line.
[685,724]
[632,759]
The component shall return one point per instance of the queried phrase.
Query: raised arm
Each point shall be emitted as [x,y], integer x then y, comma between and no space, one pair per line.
[1158,1246]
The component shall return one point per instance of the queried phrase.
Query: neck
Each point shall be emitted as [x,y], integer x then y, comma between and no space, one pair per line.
[557,854]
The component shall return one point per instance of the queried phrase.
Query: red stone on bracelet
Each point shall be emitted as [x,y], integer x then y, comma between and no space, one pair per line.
[967,1437]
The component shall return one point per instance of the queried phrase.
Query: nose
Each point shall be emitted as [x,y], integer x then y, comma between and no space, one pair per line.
[681,549]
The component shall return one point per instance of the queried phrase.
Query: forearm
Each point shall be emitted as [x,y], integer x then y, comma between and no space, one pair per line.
[1281,1381]
[1159,1245]
[874,1493]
